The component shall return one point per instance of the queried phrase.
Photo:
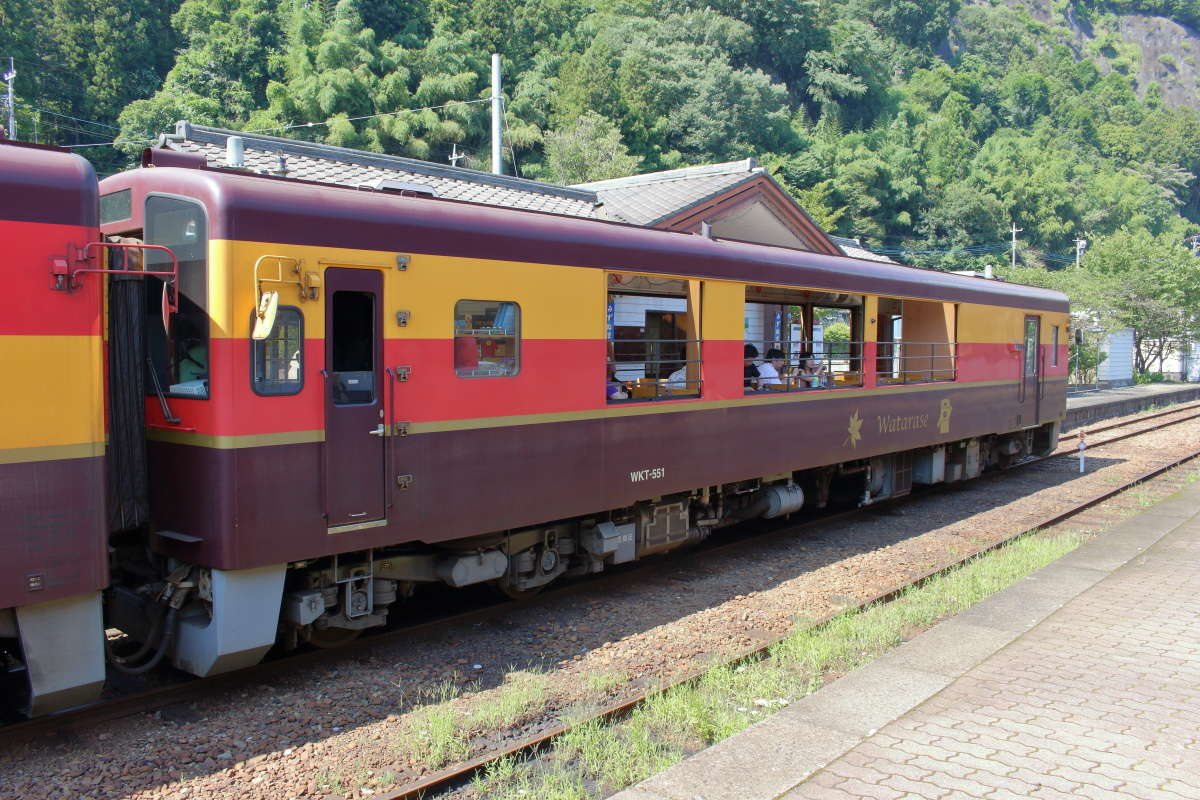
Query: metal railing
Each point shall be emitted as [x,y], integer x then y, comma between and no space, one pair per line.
[837,364]
[807,365]
[639,366]
[916,362]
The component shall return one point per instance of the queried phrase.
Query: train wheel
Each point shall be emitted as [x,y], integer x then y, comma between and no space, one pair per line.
[329,638]
[513,593]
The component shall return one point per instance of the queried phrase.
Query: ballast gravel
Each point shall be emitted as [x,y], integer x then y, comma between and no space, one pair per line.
[345,729]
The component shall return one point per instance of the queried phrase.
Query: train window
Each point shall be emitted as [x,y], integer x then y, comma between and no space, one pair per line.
[799,339]
[1054,345]
[914,341]
[353,347]
[179,357]
[116,206]
[654,347]
[1031,346]
[487,338]
[278,362]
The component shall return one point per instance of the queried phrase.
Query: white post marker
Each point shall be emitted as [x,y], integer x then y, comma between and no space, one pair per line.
[1082,457]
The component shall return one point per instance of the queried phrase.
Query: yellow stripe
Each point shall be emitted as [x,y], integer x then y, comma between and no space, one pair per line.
[556,302]
[52,391]
[996,324]
[235,442]
[62,452]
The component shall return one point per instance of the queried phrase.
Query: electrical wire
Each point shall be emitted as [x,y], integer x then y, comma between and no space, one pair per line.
[67,116]
[308,124]
[371,116]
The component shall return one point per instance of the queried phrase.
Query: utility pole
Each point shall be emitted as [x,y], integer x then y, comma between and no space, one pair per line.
[455,156]
[1080,246]
[12,107]
[1015,231]
[497,119]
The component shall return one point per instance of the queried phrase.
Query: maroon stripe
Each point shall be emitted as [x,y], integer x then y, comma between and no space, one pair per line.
[47,185]
[253,209]
[52,530]
[472,482]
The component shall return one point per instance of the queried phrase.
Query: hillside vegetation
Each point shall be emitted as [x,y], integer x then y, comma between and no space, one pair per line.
[923,125]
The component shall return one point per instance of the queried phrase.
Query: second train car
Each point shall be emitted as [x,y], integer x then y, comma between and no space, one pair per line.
[441,391]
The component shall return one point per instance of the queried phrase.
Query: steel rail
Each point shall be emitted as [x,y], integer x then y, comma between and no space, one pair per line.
[457,775]
[1089,430]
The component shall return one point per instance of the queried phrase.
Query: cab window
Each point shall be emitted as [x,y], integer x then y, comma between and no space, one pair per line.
[179,355]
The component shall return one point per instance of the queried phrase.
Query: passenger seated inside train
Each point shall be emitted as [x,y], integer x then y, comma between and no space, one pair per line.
[811,373]
[750,369]
[614,389]
[768,370]
[678,378]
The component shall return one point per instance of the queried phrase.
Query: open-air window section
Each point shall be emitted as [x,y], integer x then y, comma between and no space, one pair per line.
[915,341]
[654,346]
[800,340]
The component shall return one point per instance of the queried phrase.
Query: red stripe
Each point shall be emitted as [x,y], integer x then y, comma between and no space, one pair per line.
[28,306]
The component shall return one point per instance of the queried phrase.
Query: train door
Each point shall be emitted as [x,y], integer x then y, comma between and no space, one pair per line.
[1031,369]
[354,430]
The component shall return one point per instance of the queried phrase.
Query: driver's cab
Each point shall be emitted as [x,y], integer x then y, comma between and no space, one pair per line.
[176,344]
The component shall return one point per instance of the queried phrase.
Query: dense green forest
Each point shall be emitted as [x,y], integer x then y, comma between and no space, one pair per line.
[925,127]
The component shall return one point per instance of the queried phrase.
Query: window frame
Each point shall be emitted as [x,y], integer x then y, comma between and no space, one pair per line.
[516,337]
[208,337]
[254,349]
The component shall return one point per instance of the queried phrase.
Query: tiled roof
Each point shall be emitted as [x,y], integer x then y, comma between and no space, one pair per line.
[854,249]
[340,165]
[653,197]
[638,199]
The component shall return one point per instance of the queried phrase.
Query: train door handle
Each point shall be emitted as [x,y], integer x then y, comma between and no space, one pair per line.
[379,430]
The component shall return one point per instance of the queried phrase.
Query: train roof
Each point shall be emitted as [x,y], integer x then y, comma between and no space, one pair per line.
[270,209]
[46,184]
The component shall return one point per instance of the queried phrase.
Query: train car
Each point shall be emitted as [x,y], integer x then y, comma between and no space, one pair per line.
[361,392]
[53,563]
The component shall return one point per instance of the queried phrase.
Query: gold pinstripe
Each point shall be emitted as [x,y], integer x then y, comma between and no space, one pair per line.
[60,452]
[235,442]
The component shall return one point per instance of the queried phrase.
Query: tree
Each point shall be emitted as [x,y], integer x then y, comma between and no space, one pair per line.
[221,74]
[590,149]
[1152,285]
[851,78]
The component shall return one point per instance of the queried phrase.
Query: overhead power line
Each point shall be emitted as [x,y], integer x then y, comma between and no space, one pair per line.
[309,124]
[371,116]
[68,116]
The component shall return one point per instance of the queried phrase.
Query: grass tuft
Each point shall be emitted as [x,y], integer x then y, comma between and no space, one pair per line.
[595,758]
[523,694]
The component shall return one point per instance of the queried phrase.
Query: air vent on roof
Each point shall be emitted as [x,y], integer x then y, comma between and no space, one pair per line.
[399,187]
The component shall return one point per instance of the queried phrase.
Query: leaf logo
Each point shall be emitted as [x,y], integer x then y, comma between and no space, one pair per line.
[854,430]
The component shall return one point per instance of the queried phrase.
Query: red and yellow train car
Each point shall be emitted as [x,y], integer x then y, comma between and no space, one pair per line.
[53,561]
[452,392]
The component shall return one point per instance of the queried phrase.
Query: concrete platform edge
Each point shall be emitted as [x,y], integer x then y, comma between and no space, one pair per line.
[773,756]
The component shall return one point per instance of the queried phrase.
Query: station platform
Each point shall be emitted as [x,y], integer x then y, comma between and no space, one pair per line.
[1080,681]
[1087,407]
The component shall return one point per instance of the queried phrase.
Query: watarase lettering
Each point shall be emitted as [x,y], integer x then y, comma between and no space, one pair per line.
[895,424]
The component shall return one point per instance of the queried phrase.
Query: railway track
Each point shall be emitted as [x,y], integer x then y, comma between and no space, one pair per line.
[458,775]
[196,689]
